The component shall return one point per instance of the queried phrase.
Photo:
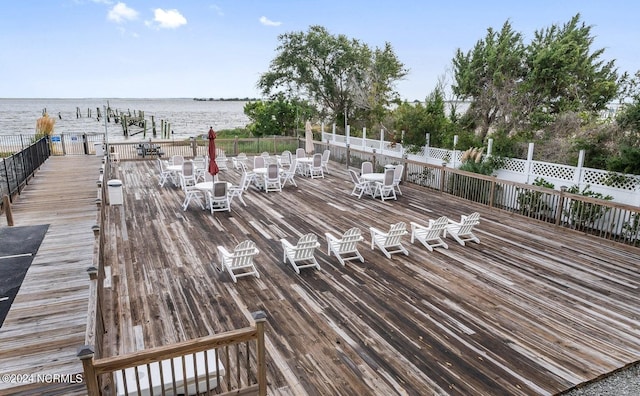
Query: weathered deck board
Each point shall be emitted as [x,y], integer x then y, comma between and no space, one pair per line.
[532,309]
[47,321]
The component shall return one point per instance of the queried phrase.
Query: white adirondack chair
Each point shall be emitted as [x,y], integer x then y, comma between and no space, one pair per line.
[430,236]
[346,247]
[462,231]
[302,254]
[389,242]
[239,263]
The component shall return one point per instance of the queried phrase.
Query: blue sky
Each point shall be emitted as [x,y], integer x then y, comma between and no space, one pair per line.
[164,48]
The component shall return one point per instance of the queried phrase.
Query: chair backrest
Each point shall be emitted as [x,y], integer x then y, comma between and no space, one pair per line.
[397,173]
[265,154]
[317,160]
[285,158]
[219,189]
[366,167]
[436,228]
[258,162]
[350,240]
[469,222]
[243,253]
[272,172]
[300,153]
[325,155]
[394,236]
[187,169]
[388,177]
[292,167]
[161,164]
[305,247]
[177,159]
[354,176]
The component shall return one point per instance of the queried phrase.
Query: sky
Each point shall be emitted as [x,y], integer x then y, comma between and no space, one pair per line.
[219,48]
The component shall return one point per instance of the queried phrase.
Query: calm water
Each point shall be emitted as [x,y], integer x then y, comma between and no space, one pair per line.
[186,116]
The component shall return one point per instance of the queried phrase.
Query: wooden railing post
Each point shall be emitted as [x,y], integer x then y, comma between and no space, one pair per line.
[492,192]
[348,157]
[260,318]
[194,147]
[6,204]
[85,353]
[560,204]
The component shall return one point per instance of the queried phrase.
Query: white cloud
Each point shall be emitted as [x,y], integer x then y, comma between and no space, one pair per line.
[120,13]
[267,22]
[168,19]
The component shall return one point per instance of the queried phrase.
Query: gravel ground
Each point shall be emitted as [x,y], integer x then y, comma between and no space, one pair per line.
[625,382]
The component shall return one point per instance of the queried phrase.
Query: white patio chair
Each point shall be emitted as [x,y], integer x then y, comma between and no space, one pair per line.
[221,159]
[272,179]
[346,247]
[366,167]
[165,174]
[397,178]
[239,263]
[430,236]
[385,190]
[285,158]
[389,242]
[462,231]
[300,153]
[258,162]
[239,160]
[315,170]
[237,191]
[359,186]
[188,180]
[288,174]
[325,160]
[200,164]
[176,159]
[302,254]
[219,198]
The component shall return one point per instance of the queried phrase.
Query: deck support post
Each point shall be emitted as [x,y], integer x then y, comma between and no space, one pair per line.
[260,318]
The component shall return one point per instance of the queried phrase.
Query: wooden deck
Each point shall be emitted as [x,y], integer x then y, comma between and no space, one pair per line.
[532,309]
[47,321]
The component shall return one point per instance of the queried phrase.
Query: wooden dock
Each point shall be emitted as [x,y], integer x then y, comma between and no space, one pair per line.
[47,322]
[532,310]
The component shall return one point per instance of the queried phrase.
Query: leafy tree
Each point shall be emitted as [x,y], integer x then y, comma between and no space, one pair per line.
[340,76]
[277,117]
[563,74]
[488,75]
[417,120]
[518,88]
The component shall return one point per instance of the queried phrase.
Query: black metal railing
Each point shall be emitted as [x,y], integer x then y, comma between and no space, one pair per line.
[18,168]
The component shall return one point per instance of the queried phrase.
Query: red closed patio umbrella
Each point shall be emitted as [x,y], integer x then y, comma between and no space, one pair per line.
[213,167]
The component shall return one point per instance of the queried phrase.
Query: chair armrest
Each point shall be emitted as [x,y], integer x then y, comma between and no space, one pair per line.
[415,226]
[224,252]
[286,244]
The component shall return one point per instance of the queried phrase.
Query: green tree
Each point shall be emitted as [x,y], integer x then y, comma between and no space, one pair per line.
[519,88]
[338,75]
[279,116]
[564,74]
[488,76]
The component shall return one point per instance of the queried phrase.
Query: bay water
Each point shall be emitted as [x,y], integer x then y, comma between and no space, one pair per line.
[187,117]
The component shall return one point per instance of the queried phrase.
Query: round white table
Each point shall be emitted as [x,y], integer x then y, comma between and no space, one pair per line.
[373,177]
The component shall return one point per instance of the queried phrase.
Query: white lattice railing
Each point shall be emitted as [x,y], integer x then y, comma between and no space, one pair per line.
[622,187]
